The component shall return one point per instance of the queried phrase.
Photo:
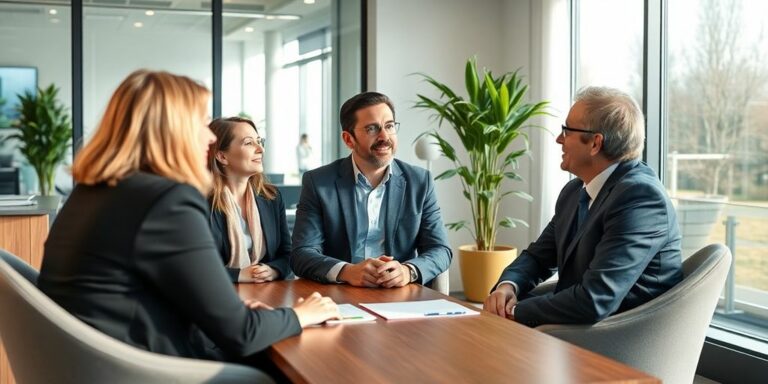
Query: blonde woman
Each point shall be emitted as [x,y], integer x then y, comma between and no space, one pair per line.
[131,252]
[247,213]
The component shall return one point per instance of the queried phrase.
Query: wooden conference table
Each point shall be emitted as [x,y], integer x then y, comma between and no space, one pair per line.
[480,349]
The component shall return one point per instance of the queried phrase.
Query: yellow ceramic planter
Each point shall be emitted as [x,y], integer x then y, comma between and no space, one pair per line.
[480,270]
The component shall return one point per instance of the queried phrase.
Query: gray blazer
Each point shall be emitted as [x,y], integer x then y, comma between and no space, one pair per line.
[326,222]
[626,253]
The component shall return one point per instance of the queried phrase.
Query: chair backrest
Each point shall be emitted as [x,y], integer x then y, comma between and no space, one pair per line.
[275,178]
[441,283]
[664,336]
[20,266]
[46,344]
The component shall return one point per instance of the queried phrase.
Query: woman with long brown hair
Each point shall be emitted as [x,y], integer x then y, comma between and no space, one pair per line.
[247,212]
[131,252]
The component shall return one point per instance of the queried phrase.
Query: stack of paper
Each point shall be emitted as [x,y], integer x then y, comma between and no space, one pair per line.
[351,314]
[16,200]
[419,309]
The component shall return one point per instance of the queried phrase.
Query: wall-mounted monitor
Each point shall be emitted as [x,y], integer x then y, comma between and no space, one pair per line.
[13,82]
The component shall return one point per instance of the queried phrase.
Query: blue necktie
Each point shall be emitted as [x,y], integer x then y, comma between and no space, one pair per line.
[583,207]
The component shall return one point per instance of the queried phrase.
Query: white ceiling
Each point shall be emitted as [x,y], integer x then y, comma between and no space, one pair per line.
[188,16]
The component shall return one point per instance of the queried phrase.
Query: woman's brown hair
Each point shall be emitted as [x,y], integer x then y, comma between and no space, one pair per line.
[151,124]
[223,128]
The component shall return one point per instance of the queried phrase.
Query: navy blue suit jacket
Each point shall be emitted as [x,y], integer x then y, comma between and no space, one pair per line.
[326,222]
[626,253]
[274,228]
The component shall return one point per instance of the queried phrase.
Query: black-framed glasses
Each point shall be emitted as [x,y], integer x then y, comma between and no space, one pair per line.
[566,129]
[390,128]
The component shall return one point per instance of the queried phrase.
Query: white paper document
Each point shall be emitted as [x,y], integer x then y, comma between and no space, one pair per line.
[16,200]
[419,309]
[351,314]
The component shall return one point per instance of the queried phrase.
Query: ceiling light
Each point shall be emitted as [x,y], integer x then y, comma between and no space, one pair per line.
[249,29]
[270,17]
[309,1]
[52,11]
[138,24]
[149,12]
[288,17]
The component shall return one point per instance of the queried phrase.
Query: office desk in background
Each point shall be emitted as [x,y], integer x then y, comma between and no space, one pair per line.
[481,349]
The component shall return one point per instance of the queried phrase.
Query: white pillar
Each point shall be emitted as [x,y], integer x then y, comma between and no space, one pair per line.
[273,53]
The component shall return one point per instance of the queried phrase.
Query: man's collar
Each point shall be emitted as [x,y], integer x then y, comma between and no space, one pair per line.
[357,171]
[596,184]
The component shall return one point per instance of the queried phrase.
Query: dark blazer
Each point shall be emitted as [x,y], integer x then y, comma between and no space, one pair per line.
[276,236]
[326,222]
[626,253]
[137,262]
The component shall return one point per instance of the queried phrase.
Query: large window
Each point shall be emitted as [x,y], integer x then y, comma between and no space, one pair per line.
[610,45]
[277,72]
[714,123]
[717,147]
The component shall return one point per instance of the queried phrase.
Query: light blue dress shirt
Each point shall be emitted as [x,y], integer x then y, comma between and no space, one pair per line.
[370,213]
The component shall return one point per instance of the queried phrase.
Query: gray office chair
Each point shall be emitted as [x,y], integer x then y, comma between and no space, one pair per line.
[664,336]
[46,344]
[441,283]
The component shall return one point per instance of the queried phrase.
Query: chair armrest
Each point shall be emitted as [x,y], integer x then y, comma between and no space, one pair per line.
[544,288]
[441,283]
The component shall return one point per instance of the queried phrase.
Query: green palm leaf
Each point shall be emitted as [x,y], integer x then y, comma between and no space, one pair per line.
[487,123]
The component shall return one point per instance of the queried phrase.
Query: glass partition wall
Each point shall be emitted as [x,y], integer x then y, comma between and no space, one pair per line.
[35,51]
[277,72]
[276,63]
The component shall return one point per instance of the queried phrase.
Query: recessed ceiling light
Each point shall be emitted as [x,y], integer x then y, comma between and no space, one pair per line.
[138,24]
[309,1]
[149,12]
[52,11]
[288,17]
[249,29]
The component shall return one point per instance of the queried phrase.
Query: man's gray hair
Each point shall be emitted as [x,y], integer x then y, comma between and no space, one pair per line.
[617,116]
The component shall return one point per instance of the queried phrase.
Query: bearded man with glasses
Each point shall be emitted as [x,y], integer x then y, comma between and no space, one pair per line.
[614,239]
[369,219]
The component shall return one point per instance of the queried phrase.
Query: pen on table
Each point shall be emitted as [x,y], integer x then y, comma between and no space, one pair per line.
[351,318]
[444,314]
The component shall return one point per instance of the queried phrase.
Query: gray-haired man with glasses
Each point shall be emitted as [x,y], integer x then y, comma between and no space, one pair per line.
[613,240]
[369,219]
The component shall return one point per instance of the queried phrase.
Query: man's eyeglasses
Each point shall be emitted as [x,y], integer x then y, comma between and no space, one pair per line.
[374,130]
[566,129]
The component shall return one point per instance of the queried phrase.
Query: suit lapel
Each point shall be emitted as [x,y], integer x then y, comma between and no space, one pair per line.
[395,195]
[566,242]
[268,223]
[602,196]
[345,188]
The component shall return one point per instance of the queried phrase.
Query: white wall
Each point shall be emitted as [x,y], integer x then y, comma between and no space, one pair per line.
[436,37]
[110,55]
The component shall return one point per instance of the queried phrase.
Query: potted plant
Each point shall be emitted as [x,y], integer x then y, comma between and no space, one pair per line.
[488,122]
[44,133]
